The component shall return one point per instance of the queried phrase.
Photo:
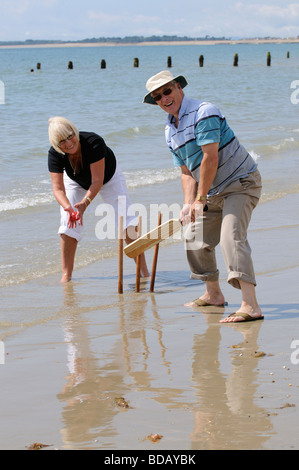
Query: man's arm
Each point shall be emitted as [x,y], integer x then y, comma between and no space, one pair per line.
[208,170]
[189,185]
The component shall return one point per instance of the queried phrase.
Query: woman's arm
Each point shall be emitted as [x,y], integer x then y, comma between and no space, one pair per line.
[59,190]
[60,195]
[97,178]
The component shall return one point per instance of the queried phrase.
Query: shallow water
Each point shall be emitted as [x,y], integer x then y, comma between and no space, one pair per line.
[256,100]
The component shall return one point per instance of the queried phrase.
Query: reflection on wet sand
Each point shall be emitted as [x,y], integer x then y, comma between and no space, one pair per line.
[135,358]
[89,409]
[227,416]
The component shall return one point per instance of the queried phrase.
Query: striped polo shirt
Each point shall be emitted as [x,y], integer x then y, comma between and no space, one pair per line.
[201,123]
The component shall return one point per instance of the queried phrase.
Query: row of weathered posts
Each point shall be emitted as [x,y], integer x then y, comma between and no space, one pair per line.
[169,62]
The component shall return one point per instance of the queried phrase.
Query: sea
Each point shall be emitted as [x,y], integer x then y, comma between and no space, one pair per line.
[260,102]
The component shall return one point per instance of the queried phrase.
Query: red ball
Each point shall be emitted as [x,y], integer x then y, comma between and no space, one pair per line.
[75,216]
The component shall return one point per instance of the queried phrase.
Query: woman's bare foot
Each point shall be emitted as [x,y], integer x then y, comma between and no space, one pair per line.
[144,272]
[65,278]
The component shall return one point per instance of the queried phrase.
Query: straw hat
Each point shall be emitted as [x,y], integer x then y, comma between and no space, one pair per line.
[160,79]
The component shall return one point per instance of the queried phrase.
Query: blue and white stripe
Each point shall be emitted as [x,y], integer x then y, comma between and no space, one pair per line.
[202,123]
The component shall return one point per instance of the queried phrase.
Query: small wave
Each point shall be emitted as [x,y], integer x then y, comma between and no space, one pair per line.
[25,202]
[274,195]
[255,155]
[15,273]
[150,176]
[130,132]
[6,266]
[289,143]
[35,197]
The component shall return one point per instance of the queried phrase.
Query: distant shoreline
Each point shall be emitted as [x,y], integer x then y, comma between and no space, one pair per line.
[154,43]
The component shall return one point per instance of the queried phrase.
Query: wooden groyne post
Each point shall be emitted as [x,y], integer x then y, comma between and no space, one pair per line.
[201,60]
[236,60]
[268,59]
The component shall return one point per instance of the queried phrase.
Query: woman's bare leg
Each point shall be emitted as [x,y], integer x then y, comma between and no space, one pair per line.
[144,272]
[68,250]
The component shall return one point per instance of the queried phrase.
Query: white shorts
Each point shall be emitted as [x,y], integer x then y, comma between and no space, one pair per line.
[114,194]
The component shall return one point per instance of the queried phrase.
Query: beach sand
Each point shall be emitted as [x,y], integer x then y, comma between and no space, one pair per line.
[198,383]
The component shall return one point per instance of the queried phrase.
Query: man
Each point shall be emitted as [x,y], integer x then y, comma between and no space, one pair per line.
[217,174]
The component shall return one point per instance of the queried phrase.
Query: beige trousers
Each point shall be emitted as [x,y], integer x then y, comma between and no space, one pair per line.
[226,221]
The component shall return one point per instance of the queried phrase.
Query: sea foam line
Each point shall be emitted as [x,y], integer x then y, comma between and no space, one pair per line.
[134,180]
[25,201]
[150,176]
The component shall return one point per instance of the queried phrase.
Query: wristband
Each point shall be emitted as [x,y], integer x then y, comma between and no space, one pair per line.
[88,199]
[200,198]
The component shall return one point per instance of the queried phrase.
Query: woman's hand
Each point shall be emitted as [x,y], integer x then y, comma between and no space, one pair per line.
[73,217]
[81,208]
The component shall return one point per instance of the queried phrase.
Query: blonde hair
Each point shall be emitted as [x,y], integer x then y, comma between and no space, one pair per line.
[59,129]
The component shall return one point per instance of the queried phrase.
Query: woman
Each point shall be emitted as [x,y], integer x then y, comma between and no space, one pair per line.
[81,165]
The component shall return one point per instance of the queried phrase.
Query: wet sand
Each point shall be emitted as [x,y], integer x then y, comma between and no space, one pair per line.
[72,350]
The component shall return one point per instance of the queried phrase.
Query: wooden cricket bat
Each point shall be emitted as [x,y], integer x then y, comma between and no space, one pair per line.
[152,238]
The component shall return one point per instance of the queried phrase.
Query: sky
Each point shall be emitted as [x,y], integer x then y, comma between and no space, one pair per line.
[81,19]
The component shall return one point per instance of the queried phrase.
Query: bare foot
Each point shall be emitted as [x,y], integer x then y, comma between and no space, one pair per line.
[145,273]
[65,278]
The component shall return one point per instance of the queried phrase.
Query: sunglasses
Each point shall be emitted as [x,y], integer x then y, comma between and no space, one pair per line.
[165,93]
[63,142]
